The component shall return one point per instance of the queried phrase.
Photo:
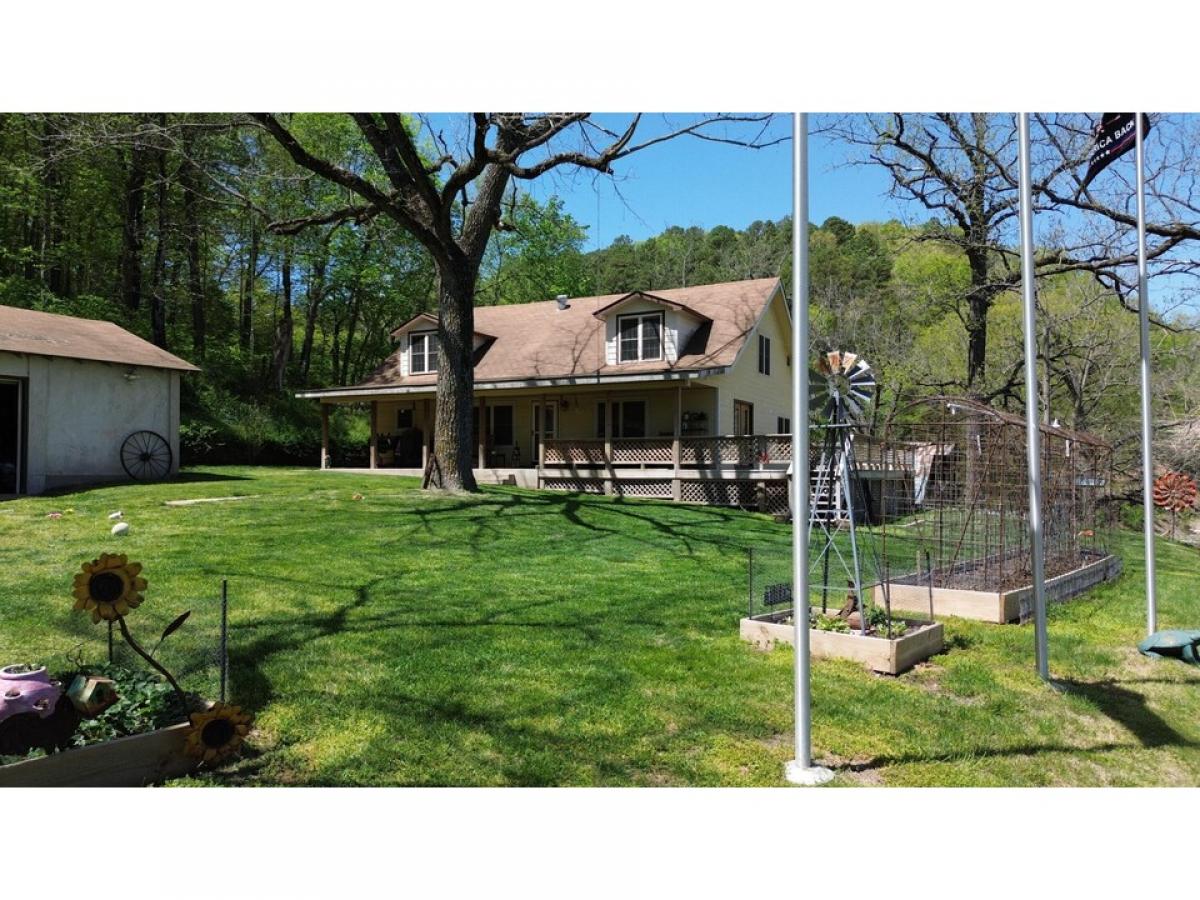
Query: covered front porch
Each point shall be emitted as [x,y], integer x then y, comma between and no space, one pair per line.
[658,440]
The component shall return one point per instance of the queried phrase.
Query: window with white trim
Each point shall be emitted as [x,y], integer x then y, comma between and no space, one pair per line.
[423,353]
[783,425]
[764,355]
[640,337]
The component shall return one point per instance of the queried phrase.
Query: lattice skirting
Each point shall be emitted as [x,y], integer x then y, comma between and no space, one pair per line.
[737,493]
[659,488]
[729,492]
[577,485]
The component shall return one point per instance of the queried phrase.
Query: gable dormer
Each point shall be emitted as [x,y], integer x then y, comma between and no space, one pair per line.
[641,327]
[418,345]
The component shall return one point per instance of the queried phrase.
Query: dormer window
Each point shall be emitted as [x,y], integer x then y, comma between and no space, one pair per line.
[423,350]
[639,336]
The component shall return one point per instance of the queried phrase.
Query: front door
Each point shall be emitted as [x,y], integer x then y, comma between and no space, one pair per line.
[743,417]
[10,437]
[544,424]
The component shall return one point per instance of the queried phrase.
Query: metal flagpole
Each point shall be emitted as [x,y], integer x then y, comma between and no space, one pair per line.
[1147,432]
[1033,444]
[801,770]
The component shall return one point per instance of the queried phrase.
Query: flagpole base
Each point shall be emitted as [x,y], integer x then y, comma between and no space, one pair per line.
[808,776]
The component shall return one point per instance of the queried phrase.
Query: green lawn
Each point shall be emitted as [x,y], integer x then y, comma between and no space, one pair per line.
[522,638]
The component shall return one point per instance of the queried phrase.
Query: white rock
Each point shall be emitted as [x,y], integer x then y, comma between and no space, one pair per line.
[120,528]
[115,515]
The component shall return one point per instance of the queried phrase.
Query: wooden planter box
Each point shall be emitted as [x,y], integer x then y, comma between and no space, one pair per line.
[132,761]
[995,606]
[889,656]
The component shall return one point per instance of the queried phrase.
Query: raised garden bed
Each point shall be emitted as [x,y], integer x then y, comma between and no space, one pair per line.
[911,594]
[890,656]
[132,761]
[136,740]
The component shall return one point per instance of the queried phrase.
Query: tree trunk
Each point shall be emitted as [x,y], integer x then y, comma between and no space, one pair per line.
[315,294]
[133,230]
[284,332]
[158,302]
[351,327]
[454,470]
[189,181]
[246,306]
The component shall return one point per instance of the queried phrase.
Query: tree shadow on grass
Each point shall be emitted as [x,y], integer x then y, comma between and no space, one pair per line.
[524,746]
[1123,706]
[677,524]
[1128,709]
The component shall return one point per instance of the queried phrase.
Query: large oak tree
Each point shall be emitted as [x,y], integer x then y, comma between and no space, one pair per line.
[450,197]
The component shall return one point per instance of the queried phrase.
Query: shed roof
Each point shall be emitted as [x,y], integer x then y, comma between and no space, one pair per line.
[49,334]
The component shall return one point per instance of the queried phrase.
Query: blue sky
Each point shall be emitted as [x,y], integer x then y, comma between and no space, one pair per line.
[690,182]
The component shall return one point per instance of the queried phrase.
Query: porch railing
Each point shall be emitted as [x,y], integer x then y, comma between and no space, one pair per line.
[754,451]
[741,451]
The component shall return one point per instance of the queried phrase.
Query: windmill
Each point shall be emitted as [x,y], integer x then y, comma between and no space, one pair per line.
[843,389]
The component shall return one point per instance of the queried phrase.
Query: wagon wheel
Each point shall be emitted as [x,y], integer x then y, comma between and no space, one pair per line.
[146,456]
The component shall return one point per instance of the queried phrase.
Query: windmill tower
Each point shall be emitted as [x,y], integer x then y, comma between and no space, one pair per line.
[843,388]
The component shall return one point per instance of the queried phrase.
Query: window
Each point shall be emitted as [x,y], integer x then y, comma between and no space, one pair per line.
[629,418]
[743,417]
[639,337]
[631,422]
[783,425]
[764,355]
[424,350]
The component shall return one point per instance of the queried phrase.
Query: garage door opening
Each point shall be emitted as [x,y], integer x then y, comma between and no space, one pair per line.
[10,437]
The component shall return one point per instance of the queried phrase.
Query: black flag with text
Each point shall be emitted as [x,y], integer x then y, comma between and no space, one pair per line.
[1113,135]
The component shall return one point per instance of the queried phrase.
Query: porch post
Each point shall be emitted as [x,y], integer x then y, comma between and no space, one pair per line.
[481,438]
[374,434]
[539,417]
[676,489]
[324,435]
[608,458]
[426,435]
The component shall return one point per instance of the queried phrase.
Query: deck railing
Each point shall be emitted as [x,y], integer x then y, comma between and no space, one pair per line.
[707,452]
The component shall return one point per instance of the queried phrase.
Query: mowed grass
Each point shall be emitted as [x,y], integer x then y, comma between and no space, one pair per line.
[523,638]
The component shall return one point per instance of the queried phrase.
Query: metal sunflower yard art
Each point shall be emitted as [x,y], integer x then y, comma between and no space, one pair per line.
[217,732]
[1175,491]
[110,587]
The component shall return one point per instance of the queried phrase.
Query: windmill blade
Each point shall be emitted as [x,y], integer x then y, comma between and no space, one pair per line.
[843,386]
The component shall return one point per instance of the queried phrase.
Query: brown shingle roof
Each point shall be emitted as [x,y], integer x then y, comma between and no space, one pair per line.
[47,334]
[538,340]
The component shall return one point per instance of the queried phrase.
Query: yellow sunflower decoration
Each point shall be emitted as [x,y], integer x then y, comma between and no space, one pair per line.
[109,586]
[217,732]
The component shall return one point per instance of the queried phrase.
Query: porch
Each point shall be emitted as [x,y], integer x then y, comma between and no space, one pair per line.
[650,439]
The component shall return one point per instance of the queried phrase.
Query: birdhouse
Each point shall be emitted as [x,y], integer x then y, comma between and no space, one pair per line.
[92,694]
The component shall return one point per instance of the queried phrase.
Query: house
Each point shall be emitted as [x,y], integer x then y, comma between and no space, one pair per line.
[78,394]
[682,393]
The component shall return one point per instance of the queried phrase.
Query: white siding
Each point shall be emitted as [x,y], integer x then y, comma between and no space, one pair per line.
[770,394]
[78,413]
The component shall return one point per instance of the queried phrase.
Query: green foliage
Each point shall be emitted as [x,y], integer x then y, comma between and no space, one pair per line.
[146,703]
[823,622]
[536,256]
[1132,515]
[877,620]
